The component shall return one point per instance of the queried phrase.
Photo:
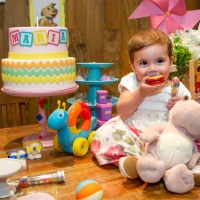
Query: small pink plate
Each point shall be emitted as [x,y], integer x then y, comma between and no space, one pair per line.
[37,196]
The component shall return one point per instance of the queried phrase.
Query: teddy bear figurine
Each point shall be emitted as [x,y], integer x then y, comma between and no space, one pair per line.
[171,151]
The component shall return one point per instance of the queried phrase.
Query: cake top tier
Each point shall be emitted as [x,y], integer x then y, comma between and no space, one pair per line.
[38,42]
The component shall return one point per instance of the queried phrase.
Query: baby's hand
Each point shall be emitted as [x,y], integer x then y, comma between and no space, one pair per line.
[172,102]
[147,90]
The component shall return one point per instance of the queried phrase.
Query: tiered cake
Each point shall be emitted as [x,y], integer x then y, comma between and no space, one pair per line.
[38,60]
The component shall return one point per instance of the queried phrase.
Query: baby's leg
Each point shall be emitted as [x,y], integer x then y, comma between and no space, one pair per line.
[127,167]
[114,140]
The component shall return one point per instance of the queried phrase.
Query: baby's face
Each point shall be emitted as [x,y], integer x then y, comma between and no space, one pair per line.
[151,61]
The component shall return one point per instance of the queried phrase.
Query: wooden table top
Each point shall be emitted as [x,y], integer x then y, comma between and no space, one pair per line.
[78,169]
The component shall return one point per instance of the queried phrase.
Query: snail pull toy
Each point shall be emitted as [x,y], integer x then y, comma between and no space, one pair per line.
[74,128]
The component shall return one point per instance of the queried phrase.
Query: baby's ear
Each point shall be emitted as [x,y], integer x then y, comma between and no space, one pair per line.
[132,66]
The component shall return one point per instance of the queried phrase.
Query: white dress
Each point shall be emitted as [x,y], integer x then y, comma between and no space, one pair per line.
[118,137]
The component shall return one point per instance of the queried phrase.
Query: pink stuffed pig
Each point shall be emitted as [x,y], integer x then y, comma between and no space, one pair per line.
[171,151]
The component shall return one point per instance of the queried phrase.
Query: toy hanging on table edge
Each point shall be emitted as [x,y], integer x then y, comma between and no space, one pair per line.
[74,128]
[197,79]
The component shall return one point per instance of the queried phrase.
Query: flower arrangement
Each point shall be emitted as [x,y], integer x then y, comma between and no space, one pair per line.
[186,44]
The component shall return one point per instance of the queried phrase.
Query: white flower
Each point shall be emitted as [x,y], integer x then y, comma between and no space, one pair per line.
[190,39]
[186,46]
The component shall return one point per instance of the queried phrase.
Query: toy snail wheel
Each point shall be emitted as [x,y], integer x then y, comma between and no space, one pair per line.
[80,146]
[90,137]
[81,110]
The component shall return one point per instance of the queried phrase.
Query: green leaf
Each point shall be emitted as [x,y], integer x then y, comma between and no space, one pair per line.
[128,140]
[182,56]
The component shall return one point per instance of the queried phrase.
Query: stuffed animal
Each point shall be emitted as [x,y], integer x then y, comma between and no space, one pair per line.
[171,151]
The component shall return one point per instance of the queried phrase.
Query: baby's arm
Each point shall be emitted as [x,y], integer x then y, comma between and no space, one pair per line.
[129,101]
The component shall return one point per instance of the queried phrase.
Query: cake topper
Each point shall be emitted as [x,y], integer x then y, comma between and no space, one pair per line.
[37,20]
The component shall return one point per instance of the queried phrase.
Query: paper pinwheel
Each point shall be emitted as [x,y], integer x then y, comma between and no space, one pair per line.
[167,15]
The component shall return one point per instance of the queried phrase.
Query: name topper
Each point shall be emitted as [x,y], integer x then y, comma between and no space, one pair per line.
[38,38]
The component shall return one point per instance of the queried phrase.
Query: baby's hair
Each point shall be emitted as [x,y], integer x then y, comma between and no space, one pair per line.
[149,37]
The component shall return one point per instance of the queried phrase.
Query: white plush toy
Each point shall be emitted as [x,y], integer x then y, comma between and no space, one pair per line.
[172,152]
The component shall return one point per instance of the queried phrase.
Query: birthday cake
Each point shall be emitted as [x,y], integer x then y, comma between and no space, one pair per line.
[38,60]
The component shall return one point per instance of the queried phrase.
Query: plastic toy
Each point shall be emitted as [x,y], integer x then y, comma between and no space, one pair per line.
[102,96]
[175,85]
[104,111]
[34,149]
[74,128]
[20,154]
[56,177]
[89,189]
[95,81]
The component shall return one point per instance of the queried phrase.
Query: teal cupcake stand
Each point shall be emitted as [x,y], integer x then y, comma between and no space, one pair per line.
[95,83]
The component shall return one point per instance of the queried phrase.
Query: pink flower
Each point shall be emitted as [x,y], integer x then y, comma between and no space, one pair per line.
[114,153]
[95,146]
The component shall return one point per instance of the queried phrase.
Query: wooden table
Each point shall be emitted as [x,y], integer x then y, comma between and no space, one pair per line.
[78,169]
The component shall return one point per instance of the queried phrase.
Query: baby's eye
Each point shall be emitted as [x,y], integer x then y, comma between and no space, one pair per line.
[143,63]
[160,61]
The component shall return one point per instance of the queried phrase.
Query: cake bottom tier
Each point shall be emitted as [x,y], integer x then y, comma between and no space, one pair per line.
[38,75]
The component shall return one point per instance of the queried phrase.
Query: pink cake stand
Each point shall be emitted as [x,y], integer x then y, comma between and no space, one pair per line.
[45,137]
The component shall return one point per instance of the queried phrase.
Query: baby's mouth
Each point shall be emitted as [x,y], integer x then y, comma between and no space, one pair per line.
[153,73]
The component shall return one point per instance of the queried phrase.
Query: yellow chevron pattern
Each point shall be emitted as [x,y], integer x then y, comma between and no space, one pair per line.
[41,79]
[21,64]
